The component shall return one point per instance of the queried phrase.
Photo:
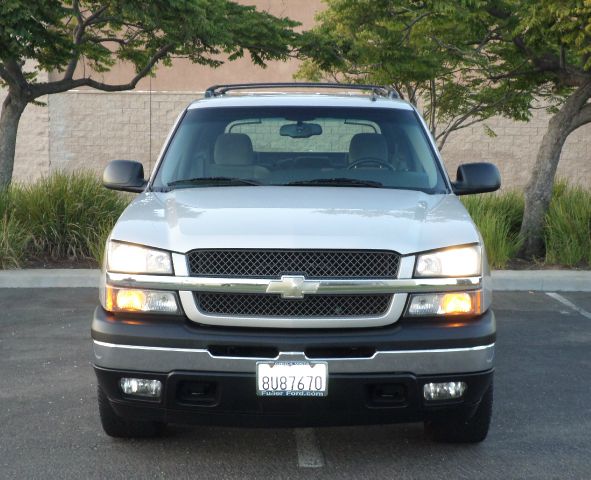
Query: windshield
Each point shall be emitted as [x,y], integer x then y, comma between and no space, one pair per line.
[300,146]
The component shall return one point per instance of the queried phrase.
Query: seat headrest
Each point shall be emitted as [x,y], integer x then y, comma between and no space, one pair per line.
[368,145]
[233,149]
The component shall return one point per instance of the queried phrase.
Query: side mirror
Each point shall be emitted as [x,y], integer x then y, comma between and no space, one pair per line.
[476,178]
[124,175]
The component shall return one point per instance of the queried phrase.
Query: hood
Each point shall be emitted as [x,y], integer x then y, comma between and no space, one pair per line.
[295,217]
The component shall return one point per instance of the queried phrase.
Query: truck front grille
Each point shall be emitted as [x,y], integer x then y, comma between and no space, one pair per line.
[313,264]
[312,306]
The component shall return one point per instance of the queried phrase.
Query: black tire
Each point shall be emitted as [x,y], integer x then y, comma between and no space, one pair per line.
[473,430]
[116,426]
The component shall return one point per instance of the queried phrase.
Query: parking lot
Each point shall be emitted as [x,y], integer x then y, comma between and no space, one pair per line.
[49,425]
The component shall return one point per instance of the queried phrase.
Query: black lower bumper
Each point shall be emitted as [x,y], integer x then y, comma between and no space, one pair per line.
[179,332]
[230,399]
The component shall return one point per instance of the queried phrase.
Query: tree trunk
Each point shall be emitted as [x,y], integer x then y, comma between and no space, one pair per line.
[538,192]
[12,109]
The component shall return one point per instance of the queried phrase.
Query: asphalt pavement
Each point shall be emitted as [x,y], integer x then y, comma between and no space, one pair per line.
[49,425]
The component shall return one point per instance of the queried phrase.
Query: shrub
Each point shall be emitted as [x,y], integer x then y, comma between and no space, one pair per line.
[498,217]
[568,226]
[14,236]
[66,216]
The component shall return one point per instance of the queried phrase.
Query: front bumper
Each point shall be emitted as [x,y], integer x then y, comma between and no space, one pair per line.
[398,359]
[230,399]
[169,332]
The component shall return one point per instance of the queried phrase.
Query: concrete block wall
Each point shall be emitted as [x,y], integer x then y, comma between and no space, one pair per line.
[87,129]
[515,147]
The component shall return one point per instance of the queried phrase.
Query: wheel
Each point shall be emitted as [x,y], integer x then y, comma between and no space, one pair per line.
[370,161]
[116,426]
[473,430]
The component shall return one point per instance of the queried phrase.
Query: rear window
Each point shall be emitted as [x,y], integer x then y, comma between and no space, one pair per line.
[335,137]
[286,145]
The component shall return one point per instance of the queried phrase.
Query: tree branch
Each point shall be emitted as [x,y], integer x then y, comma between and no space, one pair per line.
[432,116]
[4,75]
[65,84]
[79,35]
[409,26]
[453,126]
[91,18]
[458,124]
[581,118]
[12,73]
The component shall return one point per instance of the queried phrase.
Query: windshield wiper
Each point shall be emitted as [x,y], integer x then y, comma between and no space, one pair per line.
[217,181]
[336,182]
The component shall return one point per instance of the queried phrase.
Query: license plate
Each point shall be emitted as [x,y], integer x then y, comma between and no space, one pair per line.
[292,379]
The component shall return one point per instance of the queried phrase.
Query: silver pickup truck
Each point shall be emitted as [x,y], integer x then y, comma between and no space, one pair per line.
[296,259]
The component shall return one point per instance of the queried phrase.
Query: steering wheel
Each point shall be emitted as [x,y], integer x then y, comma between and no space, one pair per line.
[372,161]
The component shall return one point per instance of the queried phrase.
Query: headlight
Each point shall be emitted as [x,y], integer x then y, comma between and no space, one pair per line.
[451,262]
[127,258]
[135,300]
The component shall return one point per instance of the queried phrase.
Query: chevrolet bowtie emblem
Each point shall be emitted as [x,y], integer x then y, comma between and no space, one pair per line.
[292,286]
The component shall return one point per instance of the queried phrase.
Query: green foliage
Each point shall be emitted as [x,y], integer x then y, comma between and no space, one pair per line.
[66,212]
[14,237]
[460,61]
[76,39]
[464,61]
[429,51]
[24,32]
[63,216]
[13,242]
[97,247]
[561,31]
[568,226]
[567,230]
[498,217]
[57,33]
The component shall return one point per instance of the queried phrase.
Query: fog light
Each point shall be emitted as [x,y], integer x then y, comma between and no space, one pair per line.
[444,391]
[141,387]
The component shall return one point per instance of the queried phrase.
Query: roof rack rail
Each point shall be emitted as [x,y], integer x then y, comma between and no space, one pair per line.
[217,90]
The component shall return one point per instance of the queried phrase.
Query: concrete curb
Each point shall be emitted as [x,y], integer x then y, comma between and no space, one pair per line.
[49,278]
[542,280]
[515,280]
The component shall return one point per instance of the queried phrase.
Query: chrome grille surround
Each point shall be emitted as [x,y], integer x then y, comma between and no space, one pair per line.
[273,263]
[187,285]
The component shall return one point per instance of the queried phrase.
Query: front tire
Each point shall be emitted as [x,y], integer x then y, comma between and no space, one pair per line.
[472,430]
[119,427]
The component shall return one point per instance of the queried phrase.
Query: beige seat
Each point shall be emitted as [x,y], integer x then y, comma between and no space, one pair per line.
[368,146]
[233,156]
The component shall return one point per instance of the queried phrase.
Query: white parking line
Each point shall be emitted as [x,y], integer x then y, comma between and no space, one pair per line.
[570,304]
[309,453]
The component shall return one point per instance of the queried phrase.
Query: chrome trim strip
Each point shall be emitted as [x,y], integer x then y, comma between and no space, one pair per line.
[155,349]
[260,285]
[201,350]
[419,362]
